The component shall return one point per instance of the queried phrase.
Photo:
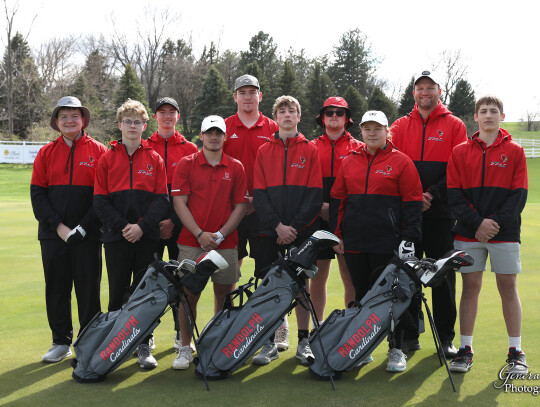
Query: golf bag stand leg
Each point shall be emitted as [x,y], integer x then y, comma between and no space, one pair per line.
[437,340]
[193,326]
[315,320]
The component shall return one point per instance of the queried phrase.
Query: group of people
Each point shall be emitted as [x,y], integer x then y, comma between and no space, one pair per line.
[418,188]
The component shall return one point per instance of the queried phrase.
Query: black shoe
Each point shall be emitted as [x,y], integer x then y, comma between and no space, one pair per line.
[449,350]
[410,345]
[516,362]
[463,361]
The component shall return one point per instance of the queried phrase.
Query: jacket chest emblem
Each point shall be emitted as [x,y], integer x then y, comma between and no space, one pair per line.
[301,163]
[386,171]
[439,136]
[503,163]
[149,171]
[90,163]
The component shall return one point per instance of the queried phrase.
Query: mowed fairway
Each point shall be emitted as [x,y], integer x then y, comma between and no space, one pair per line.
[25,336]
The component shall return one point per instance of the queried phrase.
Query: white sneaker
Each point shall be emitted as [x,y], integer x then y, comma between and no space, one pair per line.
[304,353]
[365,361]
[56,353]
[145,358]
[268,353]
[396,361]
[178,343]
[184,358]
[282,338]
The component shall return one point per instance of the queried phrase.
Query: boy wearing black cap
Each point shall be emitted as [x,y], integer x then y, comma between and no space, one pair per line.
[62,190]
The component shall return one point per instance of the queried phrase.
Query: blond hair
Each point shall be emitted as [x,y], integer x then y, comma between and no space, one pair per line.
[286,101]
[131,108]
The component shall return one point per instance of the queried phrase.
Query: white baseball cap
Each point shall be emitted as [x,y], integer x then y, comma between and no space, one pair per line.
[213,121]
[427,74]
[374,116]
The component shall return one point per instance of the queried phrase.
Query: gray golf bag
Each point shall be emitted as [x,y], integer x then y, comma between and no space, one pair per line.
[234,334]
[348,336]
[110,338]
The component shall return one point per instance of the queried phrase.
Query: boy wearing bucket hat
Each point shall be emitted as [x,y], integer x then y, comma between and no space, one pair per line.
[62,190]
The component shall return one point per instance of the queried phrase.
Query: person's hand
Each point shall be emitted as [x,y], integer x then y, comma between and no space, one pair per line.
[286,234]
[339,249]
[324,213]
[76,235]
[487,230]
[406,250]
[166,228]
[132,233]
[250,208]
[427,201]
[63,231]
[208,241]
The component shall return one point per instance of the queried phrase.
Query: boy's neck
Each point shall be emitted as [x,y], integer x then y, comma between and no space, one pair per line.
[488,137]
[213,157]
[334,134]
[285,134]
[131,145]
[166,133]
[248,119]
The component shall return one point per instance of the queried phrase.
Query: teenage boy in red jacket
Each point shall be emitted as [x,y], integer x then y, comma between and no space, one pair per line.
[130,199]
[487,191]
[62,190]
[287,195]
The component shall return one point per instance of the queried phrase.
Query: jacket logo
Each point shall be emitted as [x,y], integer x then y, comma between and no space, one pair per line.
[149,172]
[150,168]
[226,176]
[91,159]
[234,136]
[383,172]
[301,164]
[90,163]
[501,164]
[438,137]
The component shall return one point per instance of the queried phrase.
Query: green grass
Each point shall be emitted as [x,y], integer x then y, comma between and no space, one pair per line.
[519,130]
[25,334]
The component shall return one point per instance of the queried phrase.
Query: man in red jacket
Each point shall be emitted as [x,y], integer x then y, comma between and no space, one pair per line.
[487,191]
[287,195]
[62,190]
[130,199]
[171,146]
[427,135]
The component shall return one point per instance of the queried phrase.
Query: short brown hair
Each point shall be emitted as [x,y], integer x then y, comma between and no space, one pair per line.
[489,100]
[131,108]
[286,101]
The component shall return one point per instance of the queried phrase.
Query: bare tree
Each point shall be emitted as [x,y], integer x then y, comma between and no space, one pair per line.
[145,53]
[9,57]
[56,64]
[451,67]
[531,120]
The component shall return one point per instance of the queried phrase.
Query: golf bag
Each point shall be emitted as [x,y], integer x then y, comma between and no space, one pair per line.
[110,338]
[234,334]
[348,336]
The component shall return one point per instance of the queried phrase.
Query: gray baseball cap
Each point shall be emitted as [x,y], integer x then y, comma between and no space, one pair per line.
[167,101]
[213,121]
[246,80]
[71,102]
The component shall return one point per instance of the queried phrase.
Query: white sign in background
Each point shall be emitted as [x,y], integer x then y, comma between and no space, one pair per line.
[19,152]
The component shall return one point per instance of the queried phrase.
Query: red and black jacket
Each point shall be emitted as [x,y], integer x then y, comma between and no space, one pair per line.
[429,144]
[242,143]
[130,189]
[488,182]
[287,184]
[172,150]
[62,186]
[380,201]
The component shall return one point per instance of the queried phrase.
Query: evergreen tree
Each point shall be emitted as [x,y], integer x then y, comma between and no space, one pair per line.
[462,100]
[262,50]
[320,88]
[26,90]
[358,106]
[130,87]
[379,101]
[406,104]
[354,63]
[214,97]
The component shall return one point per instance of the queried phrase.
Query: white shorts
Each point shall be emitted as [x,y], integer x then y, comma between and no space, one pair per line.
[503,257]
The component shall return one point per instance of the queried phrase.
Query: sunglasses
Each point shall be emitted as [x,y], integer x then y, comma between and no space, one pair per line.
[330,113]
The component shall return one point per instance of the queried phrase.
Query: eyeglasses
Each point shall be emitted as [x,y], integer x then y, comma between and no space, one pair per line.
[330,113]
[137,123]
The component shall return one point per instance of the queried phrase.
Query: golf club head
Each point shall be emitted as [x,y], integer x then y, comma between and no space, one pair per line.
[306,254]
[186,266]
[453,260]
[310,273]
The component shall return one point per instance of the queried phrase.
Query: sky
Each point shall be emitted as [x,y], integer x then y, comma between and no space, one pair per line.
[498,40]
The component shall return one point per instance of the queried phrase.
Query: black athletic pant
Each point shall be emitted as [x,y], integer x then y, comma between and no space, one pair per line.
[124,260]
[173,250]
[437,240]
[66,265]
[365,269]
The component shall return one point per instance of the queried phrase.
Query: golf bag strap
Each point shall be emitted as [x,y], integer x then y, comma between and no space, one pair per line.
[239,292]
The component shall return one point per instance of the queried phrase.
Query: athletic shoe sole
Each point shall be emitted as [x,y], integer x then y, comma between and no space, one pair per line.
[57,359]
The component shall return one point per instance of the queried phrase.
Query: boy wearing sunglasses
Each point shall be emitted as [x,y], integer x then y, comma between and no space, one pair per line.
[130,199]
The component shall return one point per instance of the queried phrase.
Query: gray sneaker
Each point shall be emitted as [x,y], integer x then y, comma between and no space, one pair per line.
[282,338]
[396,361]
[178,343]
[304,353]
[268,353]
[56,353]
[184,358]
[145,358]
